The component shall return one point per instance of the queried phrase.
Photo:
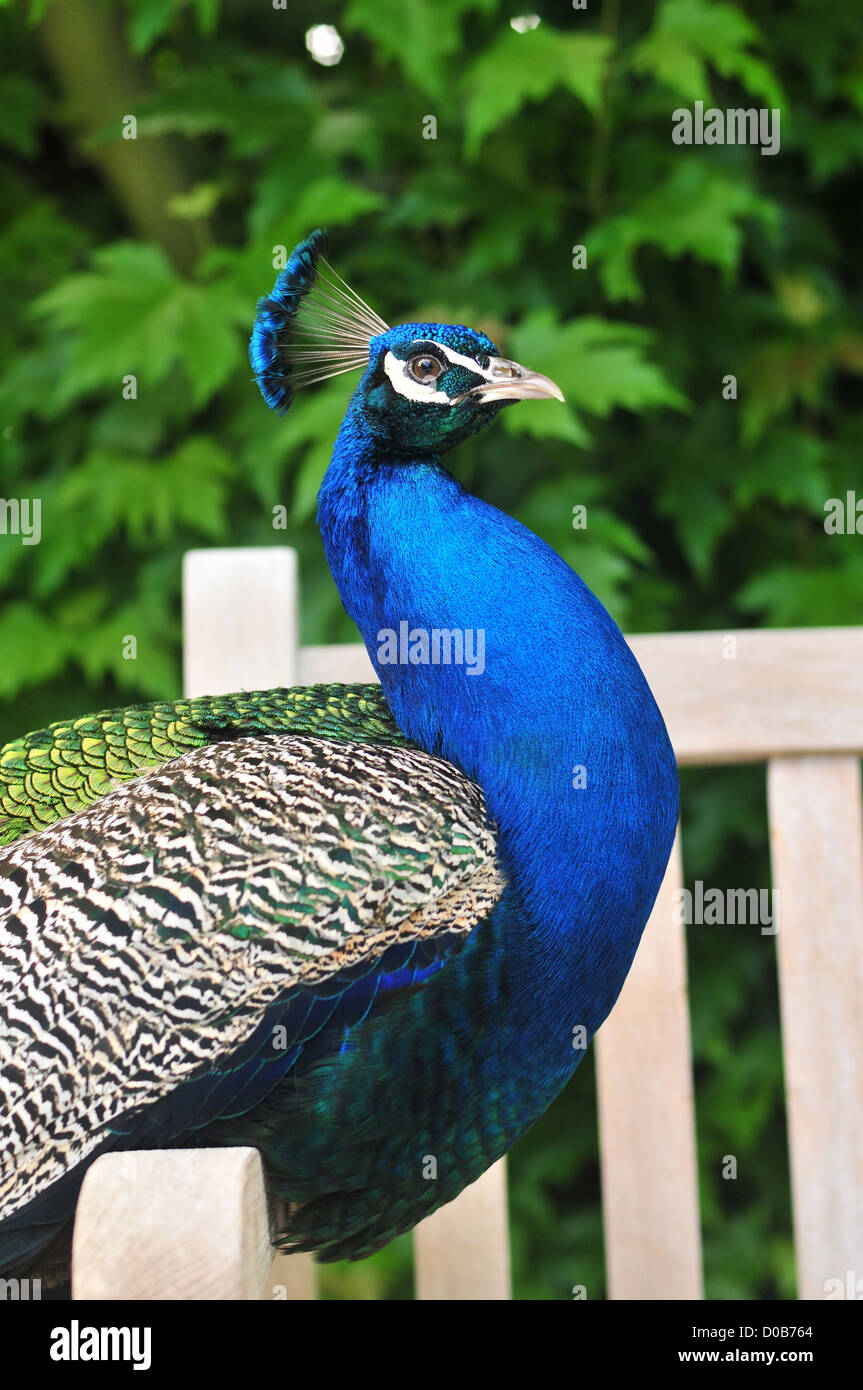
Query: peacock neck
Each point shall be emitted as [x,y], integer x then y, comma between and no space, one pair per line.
[493,654]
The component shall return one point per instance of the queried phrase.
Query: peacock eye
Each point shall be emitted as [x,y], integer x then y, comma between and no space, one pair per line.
[425,368]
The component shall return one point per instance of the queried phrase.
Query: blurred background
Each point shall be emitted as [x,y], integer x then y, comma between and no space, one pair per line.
[255,123]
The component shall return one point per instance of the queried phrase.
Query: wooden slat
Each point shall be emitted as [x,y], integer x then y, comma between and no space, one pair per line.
[239,620]
[240,633]
[816,836]
[348,662]
[784,691]
[293,1278]
[647,1122]
[187,1224]
[461,1251]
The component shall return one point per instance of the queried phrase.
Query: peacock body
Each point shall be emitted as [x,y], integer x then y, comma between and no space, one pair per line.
[353,927]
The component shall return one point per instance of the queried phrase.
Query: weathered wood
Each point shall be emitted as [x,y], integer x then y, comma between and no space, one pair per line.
[186,1224]
[348,662]
[816,836]
[647,1119]
[792,691]
[461,1251]
[239,620]
[240,630]
[293,1279]
[725,696]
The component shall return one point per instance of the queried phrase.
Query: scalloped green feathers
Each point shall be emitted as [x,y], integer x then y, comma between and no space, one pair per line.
[64,768]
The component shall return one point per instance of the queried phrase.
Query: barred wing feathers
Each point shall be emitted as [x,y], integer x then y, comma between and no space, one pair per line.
[63,768]
[143,940]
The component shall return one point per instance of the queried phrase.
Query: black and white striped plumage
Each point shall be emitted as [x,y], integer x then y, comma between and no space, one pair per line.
[143,940]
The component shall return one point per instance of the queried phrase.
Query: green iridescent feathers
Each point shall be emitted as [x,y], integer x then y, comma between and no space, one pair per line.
[64,768]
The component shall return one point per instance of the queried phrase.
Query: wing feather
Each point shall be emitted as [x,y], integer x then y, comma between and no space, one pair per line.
[143,940]
[56,771]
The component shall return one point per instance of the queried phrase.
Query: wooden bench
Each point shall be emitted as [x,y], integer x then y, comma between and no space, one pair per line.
[192,1224]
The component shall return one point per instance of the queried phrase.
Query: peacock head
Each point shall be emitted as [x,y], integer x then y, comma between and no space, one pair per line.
[424,386]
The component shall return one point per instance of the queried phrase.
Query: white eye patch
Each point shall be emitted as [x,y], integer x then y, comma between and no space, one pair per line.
[403,382]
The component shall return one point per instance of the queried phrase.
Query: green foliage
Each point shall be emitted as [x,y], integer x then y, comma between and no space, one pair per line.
[696,211]
[690,40]
[423,39]
[134,308]
[702,512]
[521,68]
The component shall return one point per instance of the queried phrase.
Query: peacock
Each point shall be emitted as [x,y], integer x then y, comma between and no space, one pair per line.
[354,927]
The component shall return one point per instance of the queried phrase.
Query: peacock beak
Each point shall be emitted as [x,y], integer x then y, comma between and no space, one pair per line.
[509,381]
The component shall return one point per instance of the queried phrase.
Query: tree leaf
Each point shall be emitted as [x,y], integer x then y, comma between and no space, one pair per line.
[148,21]
[21,106]
[421,38]
[697,210]
[519,68]
[822,595]
[599,365]
[34,648]
[688,36]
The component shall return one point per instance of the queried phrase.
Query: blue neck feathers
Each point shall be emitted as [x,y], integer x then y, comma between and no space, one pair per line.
[547,708]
